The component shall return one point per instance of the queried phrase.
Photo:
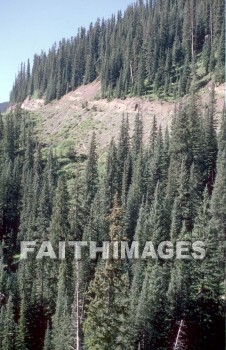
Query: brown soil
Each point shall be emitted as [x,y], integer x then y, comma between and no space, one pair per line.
[78,113]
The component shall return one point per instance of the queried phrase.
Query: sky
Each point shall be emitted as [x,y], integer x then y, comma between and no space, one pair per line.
[27,27]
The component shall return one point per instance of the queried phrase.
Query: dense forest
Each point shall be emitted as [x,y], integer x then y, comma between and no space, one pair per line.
[173,188]
[154,49]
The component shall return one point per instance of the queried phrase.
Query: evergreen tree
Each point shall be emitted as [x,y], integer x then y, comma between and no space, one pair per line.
[91,170]
[137,137]
[9,331]
[61,318]
[22,327]
[59,227]
[105,325]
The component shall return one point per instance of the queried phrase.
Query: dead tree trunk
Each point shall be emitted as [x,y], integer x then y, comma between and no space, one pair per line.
[180,343]
[192,14]
[131,71]
[78,310]
[78,323]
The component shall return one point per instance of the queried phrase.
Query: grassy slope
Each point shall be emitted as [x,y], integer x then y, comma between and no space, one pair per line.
[67,124]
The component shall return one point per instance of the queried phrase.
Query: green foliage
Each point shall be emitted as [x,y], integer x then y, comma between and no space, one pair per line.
[105,325]
[172,188]
[148,50]
[9,330]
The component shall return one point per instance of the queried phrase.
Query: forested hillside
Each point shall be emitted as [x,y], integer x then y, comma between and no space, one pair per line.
[155,48]
[172,189]
[168,186]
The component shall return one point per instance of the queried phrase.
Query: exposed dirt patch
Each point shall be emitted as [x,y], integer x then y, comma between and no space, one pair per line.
[77,114]
[32,105]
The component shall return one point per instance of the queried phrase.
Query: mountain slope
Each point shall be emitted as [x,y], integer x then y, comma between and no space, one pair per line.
[69,122]
[154,49]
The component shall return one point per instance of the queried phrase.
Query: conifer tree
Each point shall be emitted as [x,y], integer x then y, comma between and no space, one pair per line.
[78,211]
[2,318]
[157,218]
[9,138]
[105,325]
[1,129]
[61,318]
[134,199]
[222,132]
[112,173]
[91,170]
[9,331]
[179,145]
[44,210]
[152,308]
[211,140]
[219,195]
[123,147]
[137,137]
[59,227]
[179,294]
[184,197]
[22,327]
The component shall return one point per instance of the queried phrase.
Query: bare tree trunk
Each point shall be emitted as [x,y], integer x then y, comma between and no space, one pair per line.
[192,27]
[180,343]
[78,316]
[211,25]
[131,71]
[77,311]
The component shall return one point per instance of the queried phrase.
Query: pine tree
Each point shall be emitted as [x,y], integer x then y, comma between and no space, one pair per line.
[134,199]
[126,179]
[152,308]
[9,138]
[1,129]
[157,218]
[184,196]
[2,318]
[211,140]
[123,148]
[179,293]
[22,327]
[112,173]
[9,331]
[105,324]
[137,137]
[222,132]
[59,227]
[78,211]
[44,210]
[91,170]
[61,318]
[180,145]
[219,195]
